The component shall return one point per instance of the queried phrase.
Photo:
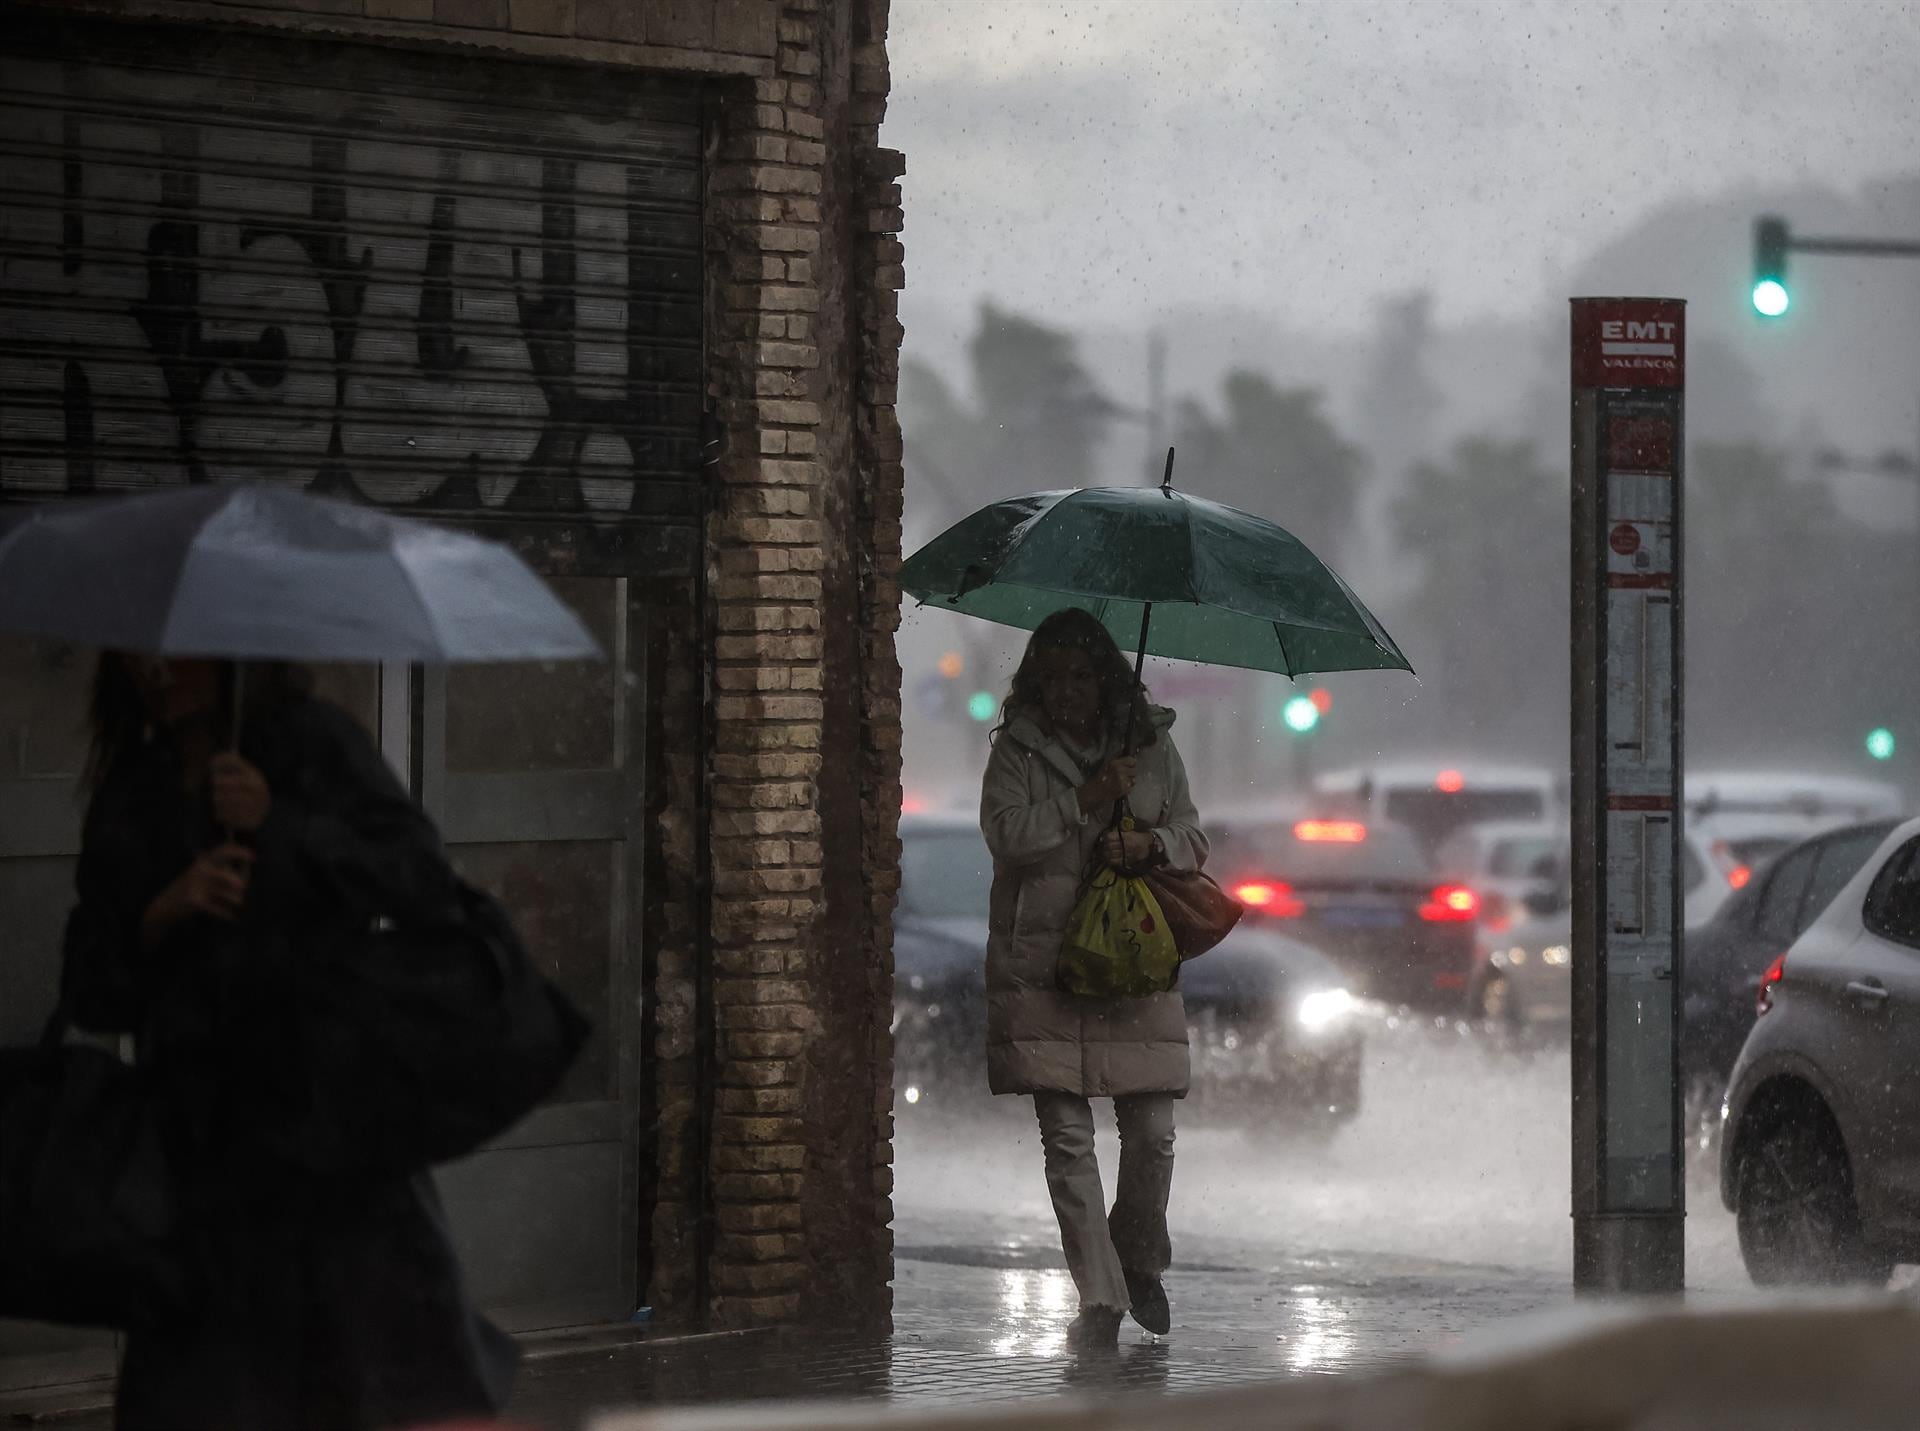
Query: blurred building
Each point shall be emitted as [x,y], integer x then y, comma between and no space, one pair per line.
[614,281]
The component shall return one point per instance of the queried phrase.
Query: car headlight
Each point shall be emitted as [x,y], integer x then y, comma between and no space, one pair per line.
[1322,1009]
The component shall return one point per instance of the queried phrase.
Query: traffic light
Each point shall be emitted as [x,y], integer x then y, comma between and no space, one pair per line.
[1770,296]
[1301,714]
[1880,743]
[981,706]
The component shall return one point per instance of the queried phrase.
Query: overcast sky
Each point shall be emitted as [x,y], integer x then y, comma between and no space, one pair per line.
[1099,160]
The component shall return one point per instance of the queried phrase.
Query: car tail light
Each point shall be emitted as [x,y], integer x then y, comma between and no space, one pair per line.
[1450,782]
[1334,832]
[1451,904]
[1763,999]
[1739,875]
[1273,898]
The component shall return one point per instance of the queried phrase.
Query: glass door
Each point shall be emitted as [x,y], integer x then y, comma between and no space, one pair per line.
[533,773]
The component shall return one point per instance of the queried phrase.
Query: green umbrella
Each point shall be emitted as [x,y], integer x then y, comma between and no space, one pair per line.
[1190,579]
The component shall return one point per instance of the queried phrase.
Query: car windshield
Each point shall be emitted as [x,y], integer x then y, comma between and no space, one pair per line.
[1432,815]
[945,874]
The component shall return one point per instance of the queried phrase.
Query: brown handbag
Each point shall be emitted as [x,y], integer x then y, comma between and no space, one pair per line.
[1198,912]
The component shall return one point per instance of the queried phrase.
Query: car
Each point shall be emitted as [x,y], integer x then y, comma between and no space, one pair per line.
[1773,796]
[1726,956]
[1363,893]
[1523,974]
[1820,1138]
[1738,820]
[1519,869]
[1435,799]
[1275,1027]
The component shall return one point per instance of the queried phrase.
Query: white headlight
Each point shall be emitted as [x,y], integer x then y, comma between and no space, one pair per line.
[1323,1008]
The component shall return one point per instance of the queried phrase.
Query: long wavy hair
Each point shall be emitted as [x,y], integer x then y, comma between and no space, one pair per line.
[118,719]
[1073,629]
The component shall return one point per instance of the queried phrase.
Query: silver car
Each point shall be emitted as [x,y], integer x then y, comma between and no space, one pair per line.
[1820,1154]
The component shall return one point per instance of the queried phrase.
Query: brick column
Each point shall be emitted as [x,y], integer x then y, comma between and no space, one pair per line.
[804,555]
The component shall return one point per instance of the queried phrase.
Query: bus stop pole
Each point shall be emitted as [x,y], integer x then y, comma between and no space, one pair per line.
[1628,438]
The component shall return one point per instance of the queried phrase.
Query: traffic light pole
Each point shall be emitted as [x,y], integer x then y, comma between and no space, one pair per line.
[1858,247]
[1773,241]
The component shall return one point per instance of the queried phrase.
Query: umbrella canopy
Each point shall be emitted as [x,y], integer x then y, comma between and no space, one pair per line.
[267,573]
[1222,586]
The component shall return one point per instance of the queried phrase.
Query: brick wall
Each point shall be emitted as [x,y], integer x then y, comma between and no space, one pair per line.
[771,1081]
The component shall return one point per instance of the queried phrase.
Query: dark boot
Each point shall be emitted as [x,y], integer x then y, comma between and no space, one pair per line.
[1149,1299]
[1095,1329]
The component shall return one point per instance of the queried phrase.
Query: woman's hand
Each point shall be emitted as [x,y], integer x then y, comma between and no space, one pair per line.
[1114,782]
[1127,849]
[215,885]
[241,798]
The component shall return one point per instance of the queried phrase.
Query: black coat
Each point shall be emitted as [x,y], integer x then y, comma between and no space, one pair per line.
[329,1301]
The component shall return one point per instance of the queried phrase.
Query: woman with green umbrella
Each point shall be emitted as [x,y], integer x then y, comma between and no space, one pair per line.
[1076,736]
[1197,582]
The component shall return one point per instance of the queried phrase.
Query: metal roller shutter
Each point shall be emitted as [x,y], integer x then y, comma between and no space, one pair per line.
[457,284]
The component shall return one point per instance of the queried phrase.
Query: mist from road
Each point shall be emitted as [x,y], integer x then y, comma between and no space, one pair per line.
[1460,1155]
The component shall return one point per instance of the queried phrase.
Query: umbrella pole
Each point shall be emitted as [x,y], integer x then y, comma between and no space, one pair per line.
[1133,703]
[239,700]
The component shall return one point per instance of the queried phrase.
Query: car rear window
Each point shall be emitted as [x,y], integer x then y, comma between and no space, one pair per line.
[1275,851]
[1432,815]
[945,874]
[1840,859]
[1893,902]
[1521,858]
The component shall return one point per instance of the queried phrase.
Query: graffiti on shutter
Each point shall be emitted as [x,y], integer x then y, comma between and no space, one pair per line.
[416,299]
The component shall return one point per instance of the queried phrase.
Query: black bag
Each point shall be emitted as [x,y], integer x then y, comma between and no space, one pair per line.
[90,1225]
[417,1046]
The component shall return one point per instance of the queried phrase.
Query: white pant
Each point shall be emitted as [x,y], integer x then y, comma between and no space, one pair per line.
[1134,1236]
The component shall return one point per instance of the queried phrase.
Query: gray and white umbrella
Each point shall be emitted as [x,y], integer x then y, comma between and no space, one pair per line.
[246,572]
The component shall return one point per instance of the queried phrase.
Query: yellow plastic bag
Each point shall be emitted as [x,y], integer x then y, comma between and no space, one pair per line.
[1117,944]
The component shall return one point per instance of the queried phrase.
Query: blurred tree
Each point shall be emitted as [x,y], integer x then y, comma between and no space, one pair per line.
[1272,451]
[1399,403]
[1796,617]
[1036,420]
[1487,624]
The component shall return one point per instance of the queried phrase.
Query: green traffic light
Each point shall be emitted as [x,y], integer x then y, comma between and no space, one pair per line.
[981,706]
[1880,743]
[1300,714]
[1770,298]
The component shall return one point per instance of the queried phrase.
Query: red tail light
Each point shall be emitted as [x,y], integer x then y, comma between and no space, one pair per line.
[1451,904]
[1272,898]
[1763,999]
[1738,876]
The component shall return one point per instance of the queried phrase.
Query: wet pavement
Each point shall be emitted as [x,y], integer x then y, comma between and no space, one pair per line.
[1438,1214]
[980,1322]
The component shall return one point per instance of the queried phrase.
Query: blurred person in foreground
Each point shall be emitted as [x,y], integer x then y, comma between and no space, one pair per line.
[207,875]
[1056,770]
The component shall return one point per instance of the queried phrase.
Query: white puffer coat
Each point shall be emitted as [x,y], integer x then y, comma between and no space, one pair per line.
[1038,1038]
